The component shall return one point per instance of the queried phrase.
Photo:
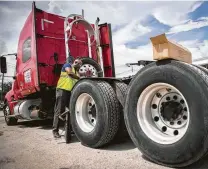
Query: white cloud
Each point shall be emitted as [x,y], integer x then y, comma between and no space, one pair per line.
[190,25]
[195,6]
[175,13]
[118,13]
[54,7]
[197,48]
[123,55]
[130,32]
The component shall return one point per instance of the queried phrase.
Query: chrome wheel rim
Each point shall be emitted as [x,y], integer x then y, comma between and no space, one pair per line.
[85,112]
[163,113]
[88,67]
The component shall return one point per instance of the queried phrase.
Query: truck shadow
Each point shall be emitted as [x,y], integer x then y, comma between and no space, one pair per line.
[41,124]
[201,164]
[123,145]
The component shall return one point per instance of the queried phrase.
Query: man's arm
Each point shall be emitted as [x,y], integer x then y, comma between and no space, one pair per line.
[71,74]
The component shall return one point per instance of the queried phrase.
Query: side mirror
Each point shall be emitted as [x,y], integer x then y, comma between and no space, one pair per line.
[3,65]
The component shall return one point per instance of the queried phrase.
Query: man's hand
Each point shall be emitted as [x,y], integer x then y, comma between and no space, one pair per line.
[74,76]
[71,74]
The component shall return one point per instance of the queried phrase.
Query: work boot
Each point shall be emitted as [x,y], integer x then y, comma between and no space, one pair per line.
[56,134]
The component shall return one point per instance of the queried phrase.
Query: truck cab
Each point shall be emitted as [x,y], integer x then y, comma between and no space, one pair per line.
[44,43]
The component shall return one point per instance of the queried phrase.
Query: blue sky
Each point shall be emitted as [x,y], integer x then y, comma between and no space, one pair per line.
[133,23]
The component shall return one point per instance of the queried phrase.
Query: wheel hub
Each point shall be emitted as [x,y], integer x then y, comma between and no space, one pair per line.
[85,109]
[163,113]
[171,110]
[88,68]
[92,114]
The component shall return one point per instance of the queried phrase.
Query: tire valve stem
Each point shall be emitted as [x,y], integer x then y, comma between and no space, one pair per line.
[168,89]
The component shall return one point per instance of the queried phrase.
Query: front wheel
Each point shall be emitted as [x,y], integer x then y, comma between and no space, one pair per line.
[9,120]
[166,112]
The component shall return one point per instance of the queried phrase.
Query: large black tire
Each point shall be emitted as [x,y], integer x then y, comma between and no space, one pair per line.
[10,121]
[193,84]
[122,133]
[87,60]
[107,113]
[201,68]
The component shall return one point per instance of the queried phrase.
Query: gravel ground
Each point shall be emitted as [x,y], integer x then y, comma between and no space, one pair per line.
[30,145]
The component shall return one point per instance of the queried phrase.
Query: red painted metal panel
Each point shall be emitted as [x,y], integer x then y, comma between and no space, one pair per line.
[26,73]
[50,28]
[106,44]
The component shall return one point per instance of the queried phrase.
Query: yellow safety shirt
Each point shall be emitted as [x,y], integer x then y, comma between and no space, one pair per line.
[65,81]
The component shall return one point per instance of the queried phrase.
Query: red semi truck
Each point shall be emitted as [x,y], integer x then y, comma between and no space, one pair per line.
[163,107]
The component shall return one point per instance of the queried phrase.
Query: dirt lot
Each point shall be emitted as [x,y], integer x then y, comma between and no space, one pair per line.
[30,145]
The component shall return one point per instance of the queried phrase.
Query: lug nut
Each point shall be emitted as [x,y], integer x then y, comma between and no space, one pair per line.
[184,117]
[90,104]
[175,97]
[158,95]
[185,109]
[92,120]
[175,132]
[164,129]
[154,106]
[167,98]
[156,118]
[179,122]
[171,123]
[182,101]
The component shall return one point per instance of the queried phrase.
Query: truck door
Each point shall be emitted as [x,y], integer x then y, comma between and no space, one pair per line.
[27,74]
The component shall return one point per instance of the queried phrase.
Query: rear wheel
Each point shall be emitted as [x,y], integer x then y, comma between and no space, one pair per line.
[122,133]
[163,114]
[9,120]
[94,113]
